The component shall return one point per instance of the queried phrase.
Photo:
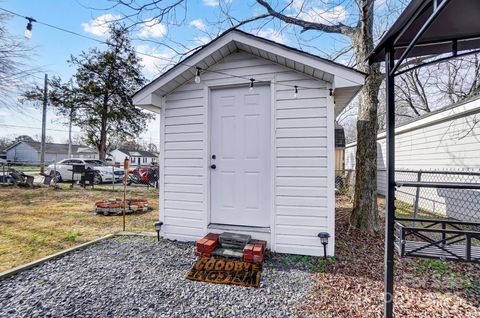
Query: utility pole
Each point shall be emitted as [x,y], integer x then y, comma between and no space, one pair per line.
[44,124]
[70,134]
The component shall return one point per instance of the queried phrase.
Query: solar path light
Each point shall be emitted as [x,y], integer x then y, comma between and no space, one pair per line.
[324,240]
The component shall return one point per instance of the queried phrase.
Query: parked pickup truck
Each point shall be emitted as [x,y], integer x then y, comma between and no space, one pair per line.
[62,170]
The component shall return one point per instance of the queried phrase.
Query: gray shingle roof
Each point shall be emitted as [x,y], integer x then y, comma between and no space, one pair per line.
[54,148]
[137,153]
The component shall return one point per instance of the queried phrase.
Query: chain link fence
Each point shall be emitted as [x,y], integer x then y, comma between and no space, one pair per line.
[78,172]
[423,202]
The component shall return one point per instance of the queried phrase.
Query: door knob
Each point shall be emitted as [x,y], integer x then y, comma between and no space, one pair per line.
[213,167]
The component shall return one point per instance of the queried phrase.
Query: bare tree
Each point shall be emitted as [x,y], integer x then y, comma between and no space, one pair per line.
[14,70]
[461,78]
[356,39]
[38,138]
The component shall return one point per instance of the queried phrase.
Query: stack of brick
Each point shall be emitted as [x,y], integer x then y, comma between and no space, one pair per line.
[115,206]
[254,251]
[206,245]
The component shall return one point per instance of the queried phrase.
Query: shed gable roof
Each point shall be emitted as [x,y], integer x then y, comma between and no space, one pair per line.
[347,81]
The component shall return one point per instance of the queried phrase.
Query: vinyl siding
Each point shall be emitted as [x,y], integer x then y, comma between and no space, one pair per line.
[183,148]
[301,153]
[23,153]
[448,141]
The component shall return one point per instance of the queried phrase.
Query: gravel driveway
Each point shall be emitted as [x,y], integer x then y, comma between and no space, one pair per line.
[138,277]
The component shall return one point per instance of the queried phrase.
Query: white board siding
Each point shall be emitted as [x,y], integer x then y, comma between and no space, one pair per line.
[302,209]
[184,177]
[301,155]
[449,140]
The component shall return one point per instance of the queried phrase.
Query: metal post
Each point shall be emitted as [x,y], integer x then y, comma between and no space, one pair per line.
[55,171]
[70,134]
[417,197]
[44,125]
[126,166]
[444,235]
[390,212]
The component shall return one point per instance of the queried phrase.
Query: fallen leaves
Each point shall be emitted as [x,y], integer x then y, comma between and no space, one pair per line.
[352,286]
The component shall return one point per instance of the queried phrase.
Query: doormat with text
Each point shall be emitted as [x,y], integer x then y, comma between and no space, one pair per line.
[224,271]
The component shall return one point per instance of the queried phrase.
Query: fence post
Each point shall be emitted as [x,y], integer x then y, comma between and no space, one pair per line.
[55,171]
[113,178]
[444,236]
[417,197]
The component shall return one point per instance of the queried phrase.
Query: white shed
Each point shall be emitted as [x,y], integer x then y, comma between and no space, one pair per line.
[256,161]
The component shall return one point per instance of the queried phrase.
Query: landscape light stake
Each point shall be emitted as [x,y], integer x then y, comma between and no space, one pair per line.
[126,166]
[324,240]
[158,227]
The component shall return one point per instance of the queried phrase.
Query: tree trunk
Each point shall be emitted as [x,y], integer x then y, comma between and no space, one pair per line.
[365,214]
[102,147]
[102,151]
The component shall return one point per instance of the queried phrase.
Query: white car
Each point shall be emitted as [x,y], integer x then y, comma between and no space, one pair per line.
[62,170]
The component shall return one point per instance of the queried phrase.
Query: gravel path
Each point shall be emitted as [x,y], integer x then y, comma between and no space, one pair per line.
[138,277]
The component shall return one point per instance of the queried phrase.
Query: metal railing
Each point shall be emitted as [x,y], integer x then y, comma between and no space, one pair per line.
[457,196]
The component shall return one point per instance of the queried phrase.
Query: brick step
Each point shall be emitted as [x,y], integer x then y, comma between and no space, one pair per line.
[228,252]
[234,240]
[254,251]
[231,245]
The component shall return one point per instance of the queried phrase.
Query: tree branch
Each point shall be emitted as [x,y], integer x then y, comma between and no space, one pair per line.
[338,28]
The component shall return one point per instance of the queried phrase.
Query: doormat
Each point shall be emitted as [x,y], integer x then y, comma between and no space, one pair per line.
[224,271]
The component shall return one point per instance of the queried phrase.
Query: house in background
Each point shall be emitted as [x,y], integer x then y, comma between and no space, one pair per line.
[339,148]
[27,152]
[137,157]
[445,140]
[250,156]
[3,154]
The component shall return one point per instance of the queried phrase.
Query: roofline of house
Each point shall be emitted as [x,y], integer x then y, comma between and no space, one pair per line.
[48,143]
[431,118]
[128,154]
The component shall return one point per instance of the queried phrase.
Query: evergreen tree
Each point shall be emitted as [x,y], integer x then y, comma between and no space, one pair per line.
[98,98]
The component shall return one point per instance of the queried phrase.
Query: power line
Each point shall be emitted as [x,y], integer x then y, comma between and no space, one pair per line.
[57,130]
[38,128]
[248,79]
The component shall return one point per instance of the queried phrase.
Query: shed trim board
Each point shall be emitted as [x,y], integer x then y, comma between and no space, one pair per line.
[346,81]
[300,157]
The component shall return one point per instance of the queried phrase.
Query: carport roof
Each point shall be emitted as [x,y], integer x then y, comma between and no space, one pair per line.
[456,28]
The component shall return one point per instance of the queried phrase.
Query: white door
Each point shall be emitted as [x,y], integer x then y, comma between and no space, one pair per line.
[240,156]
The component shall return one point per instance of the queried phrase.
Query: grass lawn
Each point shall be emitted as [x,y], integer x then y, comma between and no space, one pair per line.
[36,222]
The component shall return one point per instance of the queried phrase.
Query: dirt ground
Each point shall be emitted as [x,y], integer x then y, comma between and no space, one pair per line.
[352,285]
[36,222]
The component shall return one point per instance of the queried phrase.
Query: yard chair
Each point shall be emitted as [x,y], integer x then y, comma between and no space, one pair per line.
[20,178]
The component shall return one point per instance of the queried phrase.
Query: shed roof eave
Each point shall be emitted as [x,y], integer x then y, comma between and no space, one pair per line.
[344,75]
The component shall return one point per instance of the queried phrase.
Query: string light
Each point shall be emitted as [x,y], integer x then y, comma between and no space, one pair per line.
[197,76]
[295,92]
[28,29]
[28,35]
